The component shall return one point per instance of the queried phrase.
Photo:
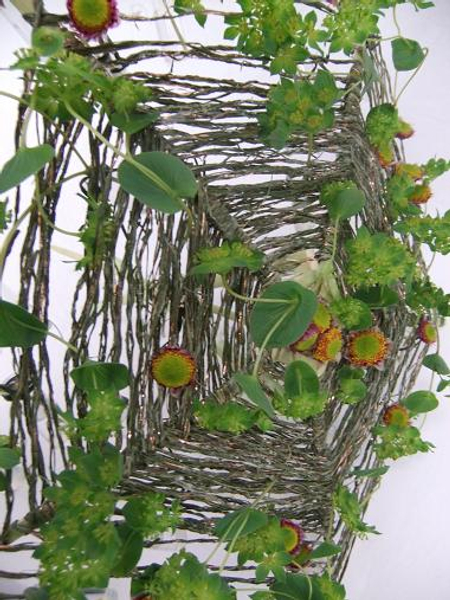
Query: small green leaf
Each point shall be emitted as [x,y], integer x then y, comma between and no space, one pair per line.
[278,324]
[346,203]
[347,372]
[378,297]
[406,54]
[443,384]
[130,551]
[19,328]
[132,123]
[420,402]
[9,457]
[353,390]
[436,363]
[375,472]
[47,40]
[324,550]
[177,179]
[224,258]
[26,162]
[300,378]
[239,523]
[261,573]
[101,376]
[252,388]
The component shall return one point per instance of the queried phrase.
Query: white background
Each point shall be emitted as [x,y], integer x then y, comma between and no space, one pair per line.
[410,561]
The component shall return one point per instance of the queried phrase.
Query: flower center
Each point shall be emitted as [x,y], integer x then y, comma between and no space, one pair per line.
[173,368]
[91,13]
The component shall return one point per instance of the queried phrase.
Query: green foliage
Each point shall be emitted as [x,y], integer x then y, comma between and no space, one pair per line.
[406,54]
[230,417]
[351,389]
[262,543]
[324,550]
[424,295]
[278,324]
[97,233]
[47,41]
[105,411]
[375,472]
[26,162]
[9,457]
[350,510]
[239,523]
[433,231]
[436,363]
[302,397]
[158,180]
[183,576]
[377,259]
[304,587]
[5,215]
[81,543]
[354,314]
[395,441]
[133,122]
[420,402]
[299,106]
[91,376]
[383,124]
[149,515]
[191,6]
[436,167]
[19,328]
[254,391]
[223,259]
[343,199]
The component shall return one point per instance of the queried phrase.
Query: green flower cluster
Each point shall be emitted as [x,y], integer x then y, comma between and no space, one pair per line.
[304,406]
[433,231]
[150,516]
[265,541]
[299,106]
[377,259]
[383,124]
[230,417]
[350,510]
[396,441]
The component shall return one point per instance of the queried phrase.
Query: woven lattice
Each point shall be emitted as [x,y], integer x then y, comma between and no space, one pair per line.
[139,297]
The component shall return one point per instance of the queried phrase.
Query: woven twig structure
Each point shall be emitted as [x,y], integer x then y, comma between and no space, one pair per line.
[138,295]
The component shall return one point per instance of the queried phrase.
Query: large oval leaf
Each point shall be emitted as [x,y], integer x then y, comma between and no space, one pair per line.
[26,162]
[420,402]
[300,378]
[132,544]
[19,328]
[101,376]
[177,181]
[346,203]
[406,54]
[9,457]
[255,393]
[283,320]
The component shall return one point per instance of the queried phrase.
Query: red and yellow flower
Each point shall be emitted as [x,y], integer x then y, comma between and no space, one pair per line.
[294,536]
[426,332]
[396,414]
[420,194]
[93,18]
[307,341]
[173,367]
[367,348]
[328,345]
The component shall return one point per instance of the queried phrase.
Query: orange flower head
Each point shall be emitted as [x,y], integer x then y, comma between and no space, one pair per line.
[405,131]
[307,341]
[93,18]
[294,538]
[173,367]
[426,332]
[367,348]
[414,171]
[420,194]
[396,414]
[328,345]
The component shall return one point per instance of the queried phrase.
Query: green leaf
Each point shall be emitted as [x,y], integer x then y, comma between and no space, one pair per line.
[347,372]
[26,162]
[346,203]
[177,180]
[252,388]
[47,40]
[443,384]
[280,323]
[130,551]
[132,123]
[36,594]
[436,363]
[353,390]
[9,457]
[406,54]
[378,297]
[261,573]
[239,523]
[420,402]
[324,550]
[3,481]
[375,472]
[101,376]
[224,258]
[296,587]
[300,378]
[19,328]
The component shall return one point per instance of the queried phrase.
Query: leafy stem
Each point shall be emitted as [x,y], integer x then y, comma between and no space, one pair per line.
[426,52]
